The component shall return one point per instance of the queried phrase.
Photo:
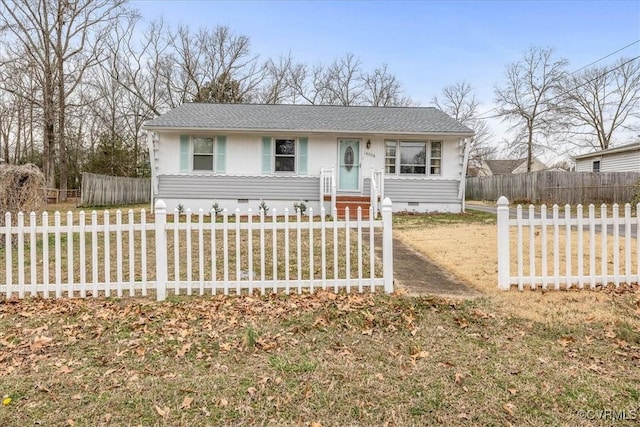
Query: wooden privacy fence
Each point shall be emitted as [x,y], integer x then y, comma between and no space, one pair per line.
[564,251]
[92,255]
[555,187]
[106,190]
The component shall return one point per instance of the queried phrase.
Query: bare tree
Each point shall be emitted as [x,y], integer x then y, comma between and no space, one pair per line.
[58,41]
[276,86]
[525,98]
[344,82]
[458,100]
[599,102]
[382,89]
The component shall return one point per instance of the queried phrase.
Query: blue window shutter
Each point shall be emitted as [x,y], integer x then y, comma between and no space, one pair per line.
[221,160]
[266,154]
[303,156]
[184,153]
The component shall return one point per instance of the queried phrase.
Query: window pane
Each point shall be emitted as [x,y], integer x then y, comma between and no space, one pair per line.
[436,149]
[285,147]
[413,157]
[203,145]
[285,164]
[203,162]
[435,166]
[390,147]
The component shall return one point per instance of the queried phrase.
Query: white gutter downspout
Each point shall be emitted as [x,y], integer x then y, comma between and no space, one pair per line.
[463,172]
[152,166]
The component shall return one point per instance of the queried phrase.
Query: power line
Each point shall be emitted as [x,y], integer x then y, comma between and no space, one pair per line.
[574,72]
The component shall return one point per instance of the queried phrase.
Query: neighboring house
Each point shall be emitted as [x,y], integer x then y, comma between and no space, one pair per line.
[620,159]
[505,167]
[237,155]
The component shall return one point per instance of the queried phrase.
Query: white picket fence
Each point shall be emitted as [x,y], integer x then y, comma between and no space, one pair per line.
[201,253]
[555,250]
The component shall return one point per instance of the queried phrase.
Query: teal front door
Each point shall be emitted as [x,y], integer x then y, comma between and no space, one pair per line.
[349,165]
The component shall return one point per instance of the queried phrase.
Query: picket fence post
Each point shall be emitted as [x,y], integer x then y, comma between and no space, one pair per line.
[161,249]
[387,245]
[504,261]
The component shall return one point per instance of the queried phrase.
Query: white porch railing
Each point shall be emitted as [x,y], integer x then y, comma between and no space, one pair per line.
[328,186]
[377,190]
[566,251]
[125,254]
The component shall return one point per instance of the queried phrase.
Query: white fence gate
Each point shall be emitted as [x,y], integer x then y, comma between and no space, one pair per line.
[564,251]
[187,253]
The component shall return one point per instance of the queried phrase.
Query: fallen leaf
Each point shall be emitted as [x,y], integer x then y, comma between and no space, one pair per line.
[184,349]
[40,342]
[509,408]
[64,369]
[459,378]
[6,400]
[564,341]
[76,397]
[223,403]
[315,424]
[163,412]
[513,391]
[251,391]
[186,402]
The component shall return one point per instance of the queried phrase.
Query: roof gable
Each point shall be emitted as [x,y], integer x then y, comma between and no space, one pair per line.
[502,167]
[308,118]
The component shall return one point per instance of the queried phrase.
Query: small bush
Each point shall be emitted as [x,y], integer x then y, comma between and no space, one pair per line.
[216,209]
[300,207]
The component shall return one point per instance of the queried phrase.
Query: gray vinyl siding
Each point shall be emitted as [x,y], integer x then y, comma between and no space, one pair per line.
[616,162]
[584,165]
[421,190]
[621,162]
[238,187]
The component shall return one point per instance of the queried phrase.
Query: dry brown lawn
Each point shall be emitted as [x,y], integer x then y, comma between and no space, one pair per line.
[469,251]
[510,358]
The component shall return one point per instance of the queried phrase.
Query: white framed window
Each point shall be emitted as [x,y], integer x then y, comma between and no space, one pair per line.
[285,155]
[435,160]
[390,148]
[596,165]
[203,157]
[413,157]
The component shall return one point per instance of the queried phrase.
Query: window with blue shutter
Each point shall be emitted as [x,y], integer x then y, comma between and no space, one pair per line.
[266,154]
[221,161]
[303,156]
[184,153]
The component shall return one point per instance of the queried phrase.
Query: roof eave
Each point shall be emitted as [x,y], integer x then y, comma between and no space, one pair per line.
[306,131]
[605,152]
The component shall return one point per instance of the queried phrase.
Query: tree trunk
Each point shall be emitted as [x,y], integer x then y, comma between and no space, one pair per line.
[63,165]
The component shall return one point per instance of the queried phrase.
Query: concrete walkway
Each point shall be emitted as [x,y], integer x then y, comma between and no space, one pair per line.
[417,275]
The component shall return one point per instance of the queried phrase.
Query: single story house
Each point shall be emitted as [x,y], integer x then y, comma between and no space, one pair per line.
[239,155]
[625,158]
[506,167]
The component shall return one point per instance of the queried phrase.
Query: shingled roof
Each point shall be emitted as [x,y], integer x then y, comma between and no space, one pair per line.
[308,118]
[502,167]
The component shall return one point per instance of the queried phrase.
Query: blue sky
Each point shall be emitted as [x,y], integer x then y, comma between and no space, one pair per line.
[427,44]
